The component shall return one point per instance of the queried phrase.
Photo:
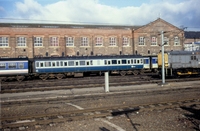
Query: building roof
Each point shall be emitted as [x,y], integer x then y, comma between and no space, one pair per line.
[75,26]
[156,21]
[192,34]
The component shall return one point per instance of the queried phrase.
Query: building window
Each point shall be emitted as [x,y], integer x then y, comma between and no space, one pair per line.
[125,41]
[21,41]
[84,41]
[3,41]
[153,41]
[176,41]
[69,41]
[38,41]
[99,41]
[141,41]
[112,41]
[166,41]
[54,41]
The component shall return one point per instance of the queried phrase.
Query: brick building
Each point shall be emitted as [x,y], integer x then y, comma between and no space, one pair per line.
[46,40]
[192,40]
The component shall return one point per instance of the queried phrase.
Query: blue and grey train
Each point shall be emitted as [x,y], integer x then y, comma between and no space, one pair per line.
[59,67]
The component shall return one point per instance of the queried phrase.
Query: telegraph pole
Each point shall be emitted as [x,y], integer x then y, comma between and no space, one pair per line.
[163,58]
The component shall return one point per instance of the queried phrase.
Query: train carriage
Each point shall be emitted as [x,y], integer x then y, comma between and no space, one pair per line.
[61,67]
[14,68]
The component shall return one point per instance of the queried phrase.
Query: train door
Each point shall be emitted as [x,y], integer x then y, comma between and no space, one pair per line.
[154,62]
[146,62]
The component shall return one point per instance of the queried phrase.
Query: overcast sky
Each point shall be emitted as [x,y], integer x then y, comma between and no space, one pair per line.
[185,13]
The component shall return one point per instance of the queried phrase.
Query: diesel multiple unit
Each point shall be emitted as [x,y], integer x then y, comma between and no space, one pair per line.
[59,67]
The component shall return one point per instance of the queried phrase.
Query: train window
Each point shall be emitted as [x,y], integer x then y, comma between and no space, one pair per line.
[71,63]
[37,64]
[141,60]
[53,64]
[105,62]
[47,64]
[114,61]
[21,65]
[76,63]
[146,61]
[195,57]
[134,61]
[154,61]
[61,63]
[57,63]
[2,66]
[91,62]
[82,62]
[12,65]
[138,61]
[123,61]
[87,62]
[108,62]
[65,63]
[119,61]
[128,61]
[41,64]
[131,61]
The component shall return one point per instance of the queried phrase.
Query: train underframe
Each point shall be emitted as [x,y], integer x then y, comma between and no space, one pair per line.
[45,76]
[169,72]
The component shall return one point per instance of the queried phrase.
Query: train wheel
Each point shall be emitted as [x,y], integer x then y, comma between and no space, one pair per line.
[20,78]
[135,72]
[122,73]
[59,76]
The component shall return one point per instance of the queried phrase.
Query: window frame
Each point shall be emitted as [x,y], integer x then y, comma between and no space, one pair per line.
[69,41]
[176,41]
[112,41]
[99,41]
[4,41]
[125,41]
[141,41]
[153,41]
[38,41]
[84,41]
[54,41]
[21,41]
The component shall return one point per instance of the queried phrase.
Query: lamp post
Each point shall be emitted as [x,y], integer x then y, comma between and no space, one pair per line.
[163,58]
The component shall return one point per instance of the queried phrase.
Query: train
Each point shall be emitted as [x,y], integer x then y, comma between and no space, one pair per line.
[176,63]
[60,67]
[180,63]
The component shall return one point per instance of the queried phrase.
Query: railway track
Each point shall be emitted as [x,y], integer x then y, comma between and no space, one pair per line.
[45,119]
[83,83]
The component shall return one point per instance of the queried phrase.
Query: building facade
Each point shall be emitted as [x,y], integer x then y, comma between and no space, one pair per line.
[49,40]
[192,41]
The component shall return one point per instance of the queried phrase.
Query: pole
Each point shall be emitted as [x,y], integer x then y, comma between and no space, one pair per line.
[106,82]
[163,60]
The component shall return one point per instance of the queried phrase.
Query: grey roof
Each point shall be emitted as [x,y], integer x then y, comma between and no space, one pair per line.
[192,34]
[183,52]
[78,26]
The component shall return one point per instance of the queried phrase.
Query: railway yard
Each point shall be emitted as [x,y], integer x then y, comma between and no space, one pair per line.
[134,103]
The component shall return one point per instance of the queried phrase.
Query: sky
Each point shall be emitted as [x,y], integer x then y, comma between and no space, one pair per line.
[181,13]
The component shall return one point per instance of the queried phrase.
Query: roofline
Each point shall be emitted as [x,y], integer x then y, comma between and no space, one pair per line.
[159,20]
[79,26]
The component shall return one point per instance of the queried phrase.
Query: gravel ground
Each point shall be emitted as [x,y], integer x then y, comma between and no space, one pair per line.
[157,120]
